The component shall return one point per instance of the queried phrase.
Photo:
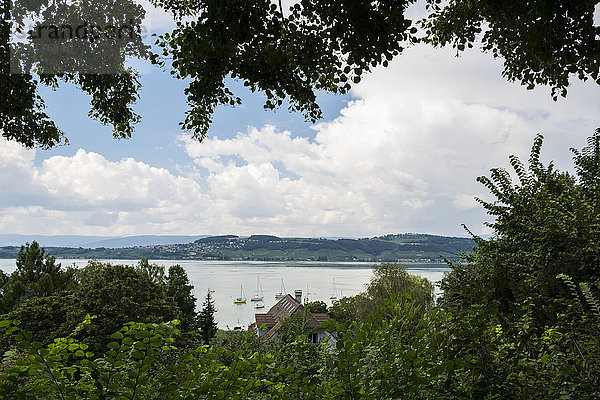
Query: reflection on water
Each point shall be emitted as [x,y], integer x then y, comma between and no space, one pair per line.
[315,279]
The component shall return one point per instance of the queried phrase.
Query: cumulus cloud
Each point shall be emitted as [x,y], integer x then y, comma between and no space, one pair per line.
[402,157]
[72,194]
[385,165]
[91,181]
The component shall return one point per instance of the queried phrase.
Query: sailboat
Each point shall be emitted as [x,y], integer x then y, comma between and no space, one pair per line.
[259,292]
[260,304]
[281,294]
[242,298]
[333,296]
[307,293]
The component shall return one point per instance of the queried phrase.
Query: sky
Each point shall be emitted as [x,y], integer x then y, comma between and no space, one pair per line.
[400,153]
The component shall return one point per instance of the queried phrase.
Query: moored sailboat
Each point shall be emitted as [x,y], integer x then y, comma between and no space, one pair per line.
[334,295]
[281,294]
[259,292]
[242,298]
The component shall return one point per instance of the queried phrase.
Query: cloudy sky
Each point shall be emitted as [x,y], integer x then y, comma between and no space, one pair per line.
[399,154]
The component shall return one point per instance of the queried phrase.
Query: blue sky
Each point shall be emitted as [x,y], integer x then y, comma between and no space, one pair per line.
[400,153]
[162,105]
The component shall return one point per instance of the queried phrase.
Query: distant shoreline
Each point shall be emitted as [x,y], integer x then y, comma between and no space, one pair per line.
[403,248]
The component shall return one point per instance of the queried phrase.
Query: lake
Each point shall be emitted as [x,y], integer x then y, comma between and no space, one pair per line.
[227,278]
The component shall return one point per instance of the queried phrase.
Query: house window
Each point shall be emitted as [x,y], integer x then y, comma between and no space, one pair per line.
[313,338]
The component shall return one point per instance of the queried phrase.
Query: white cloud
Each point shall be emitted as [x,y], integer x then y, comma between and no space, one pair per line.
[463,201]
[402,157]
[389,163]
[88,194]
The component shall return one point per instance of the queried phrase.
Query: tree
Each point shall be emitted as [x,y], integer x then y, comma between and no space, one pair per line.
[545,224]
[46,317]
[542,42]
[179,289]
[525,302]
[155,272]
[316,307]
[208,325]
[118,294]
[392,279]
[113,88]
[33,263]
[389,281]
[314,45]
[37,275]
[327,45]
[291,54]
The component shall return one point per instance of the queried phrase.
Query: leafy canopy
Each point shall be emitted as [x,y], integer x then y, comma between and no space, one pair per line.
[389,280]
[290,54]
[37,275]
[546,223]
[314,45]
[542,42]
[112,92]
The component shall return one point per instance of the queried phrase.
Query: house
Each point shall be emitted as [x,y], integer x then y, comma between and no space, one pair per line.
[267,324]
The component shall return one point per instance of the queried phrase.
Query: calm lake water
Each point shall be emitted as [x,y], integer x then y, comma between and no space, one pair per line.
[227,278]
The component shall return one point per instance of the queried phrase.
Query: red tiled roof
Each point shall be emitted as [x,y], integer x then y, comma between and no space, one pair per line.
[283,309]
[321,317]
[265,319]
[314,320]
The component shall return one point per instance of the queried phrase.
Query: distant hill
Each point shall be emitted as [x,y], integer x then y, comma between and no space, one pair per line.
[144,240]
[57,240]
[93,242]
[401,247]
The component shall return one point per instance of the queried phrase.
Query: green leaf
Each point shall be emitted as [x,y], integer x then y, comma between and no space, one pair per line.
[117,335]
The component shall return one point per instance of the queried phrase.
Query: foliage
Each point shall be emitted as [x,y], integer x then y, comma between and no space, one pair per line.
[327,45]
[546,224]
[399,352]
[207,323]
[518,319]
[388,280]
[155,272]
[49,372]
[36,275]
[542,42]
[316,307]
[118,294]
[315,45]
[525,302]
[350,309]
[293,327]
[392,279]
[179,289]
[22,115]
[46,317]
[115,294]
[291,54]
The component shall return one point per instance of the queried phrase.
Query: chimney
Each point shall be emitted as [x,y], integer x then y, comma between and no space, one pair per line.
[298,294]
